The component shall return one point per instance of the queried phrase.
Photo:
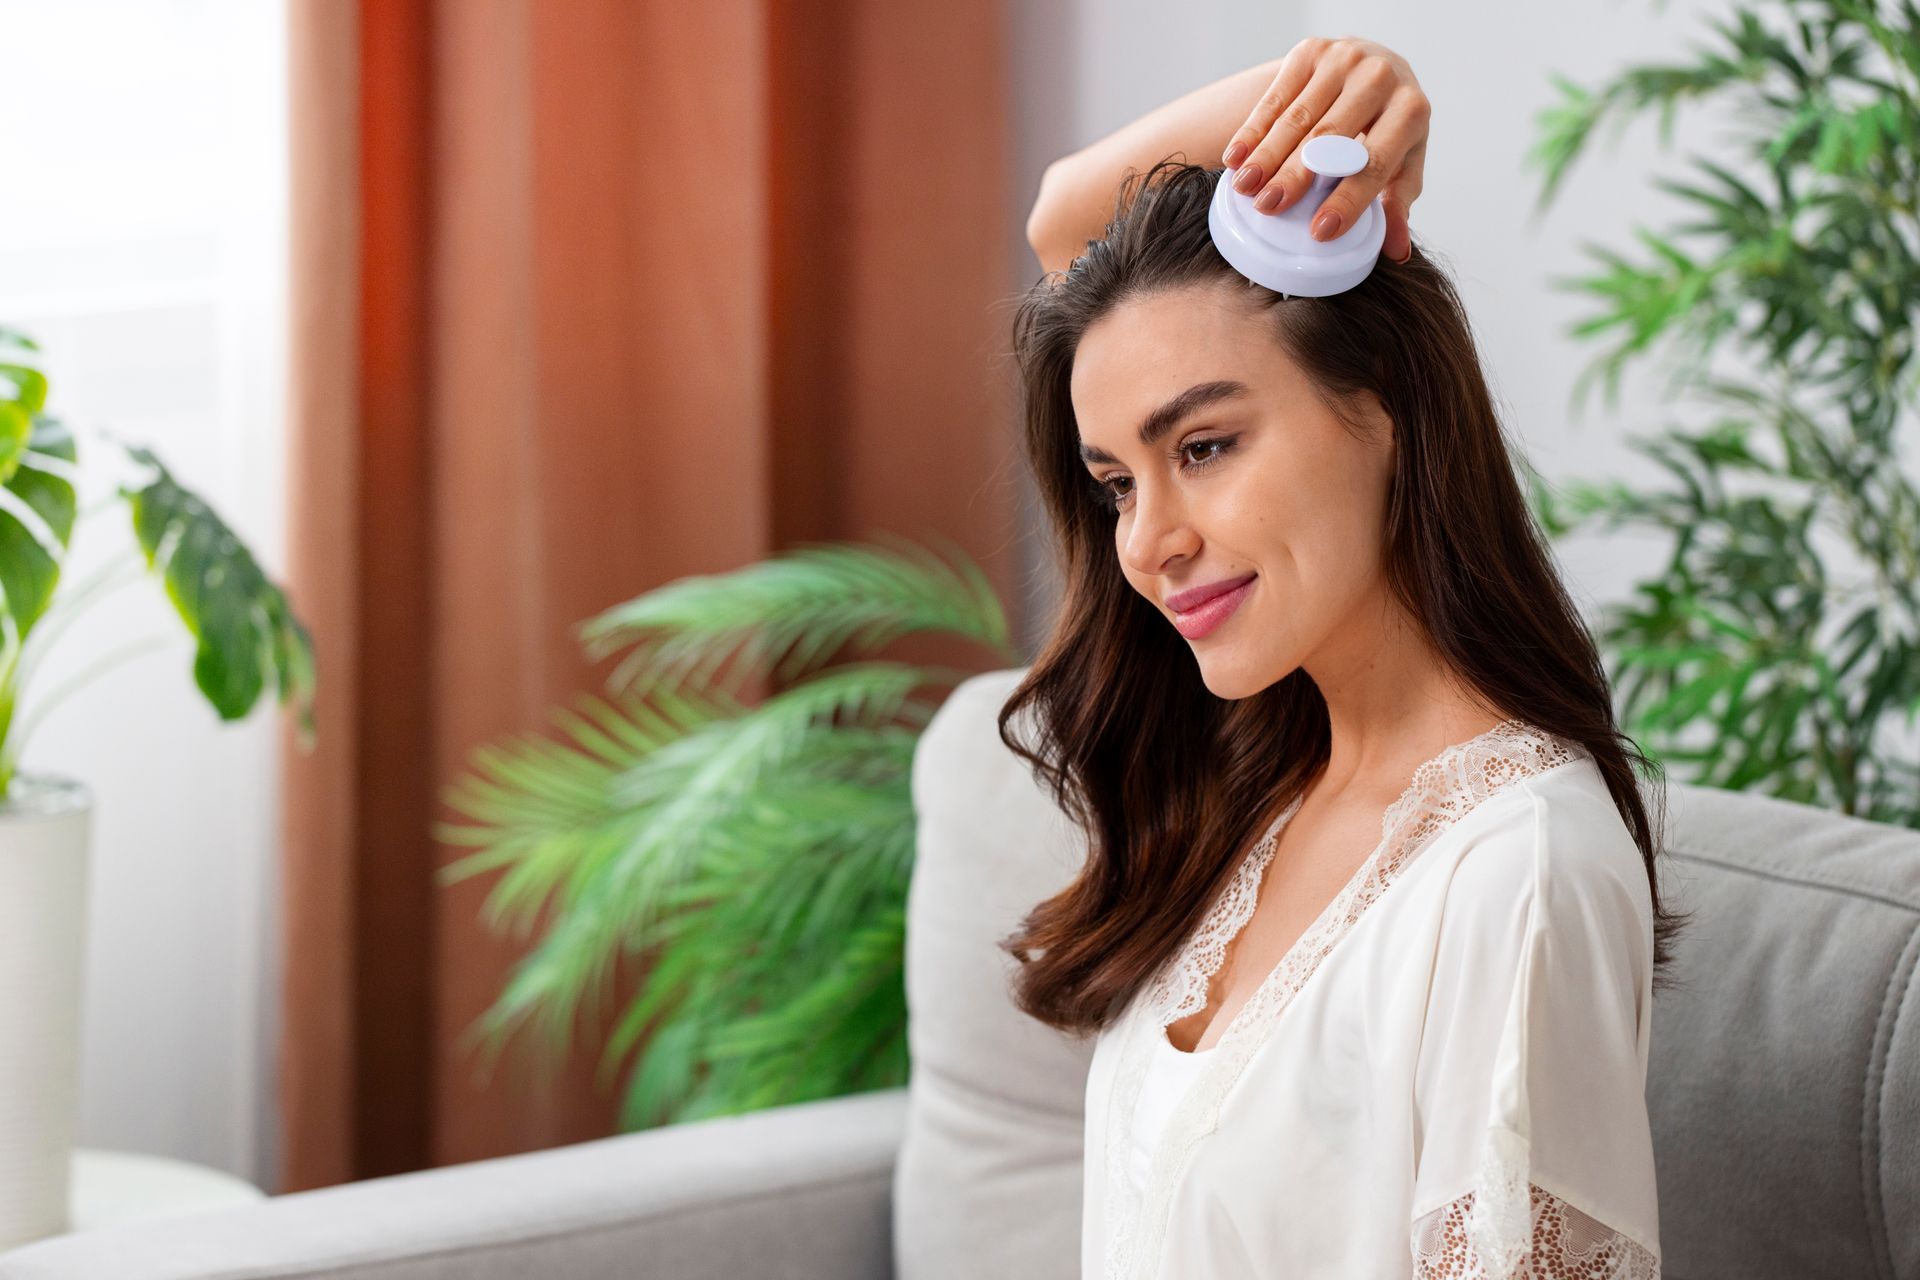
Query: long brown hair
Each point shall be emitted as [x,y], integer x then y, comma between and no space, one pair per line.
[1171,783]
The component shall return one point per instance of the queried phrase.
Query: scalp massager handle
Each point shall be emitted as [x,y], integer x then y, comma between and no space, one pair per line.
[1330,157]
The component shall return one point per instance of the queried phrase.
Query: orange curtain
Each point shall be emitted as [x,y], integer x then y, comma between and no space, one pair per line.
[589,295]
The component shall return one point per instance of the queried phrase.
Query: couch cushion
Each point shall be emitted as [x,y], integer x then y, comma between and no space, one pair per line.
[988,1178]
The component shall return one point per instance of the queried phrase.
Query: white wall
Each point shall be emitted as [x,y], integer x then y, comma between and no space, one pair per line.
[1082,69]
[141,243]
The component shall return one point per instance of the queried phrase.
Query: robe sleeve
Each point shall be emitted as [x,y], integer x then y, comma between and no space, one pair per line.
[1534,1155]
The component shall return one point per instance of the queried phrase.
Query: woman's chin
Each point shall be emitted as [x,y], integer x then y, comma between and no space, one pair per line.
[1231,680]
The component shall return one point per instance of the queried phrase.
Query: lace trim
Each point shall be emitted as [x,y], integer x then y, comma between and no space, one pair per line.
[1500,1225]
[1441,791]
[1181,987]
[1566,1245]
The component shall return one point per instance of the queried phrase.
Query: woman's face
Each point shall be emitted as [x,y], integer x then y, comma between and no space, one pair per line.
[1249,473]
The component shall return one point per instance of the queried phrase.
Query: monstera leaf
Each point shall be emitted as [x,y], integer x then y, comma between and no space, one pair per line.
[23,393]
[37,510]
[246,633]
[37,500]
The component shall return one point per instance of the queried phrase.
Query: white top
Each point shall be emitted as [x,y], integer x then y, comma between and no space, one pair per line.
[1444,1073]
[1168,1074]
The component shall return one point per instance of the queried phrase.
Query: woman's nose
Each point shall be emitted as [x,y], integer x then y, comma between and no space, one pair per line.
[1158,533]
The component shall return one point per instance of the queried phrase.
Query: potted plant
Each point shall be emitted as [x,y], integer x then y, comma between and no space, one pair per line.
[247,637]
[760,853]
[1779,647]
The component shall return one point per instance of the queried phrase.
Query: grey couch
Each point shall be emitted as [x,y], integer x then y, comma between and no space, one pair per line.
[1784,1085]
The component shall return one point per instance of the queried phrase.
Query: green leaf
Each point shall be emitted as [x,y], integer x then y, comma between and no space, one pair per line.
[245,632]
[795,612]
[38,506]
[16,428]
[26,386]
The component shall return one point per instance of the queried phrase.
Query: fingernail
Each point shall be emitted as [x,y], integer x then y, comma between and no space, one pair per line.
[1327,225]
[1249,180]
[1270,199]
[1235,154]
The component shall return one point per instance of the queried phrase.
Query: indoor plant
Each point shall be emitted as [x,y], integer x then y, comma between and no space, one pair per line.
[1779,647]
[761,853]
[246,637]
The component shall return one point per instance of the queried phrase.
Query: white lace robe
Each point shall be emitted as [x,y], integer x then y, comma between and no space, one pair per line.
[1444,1077]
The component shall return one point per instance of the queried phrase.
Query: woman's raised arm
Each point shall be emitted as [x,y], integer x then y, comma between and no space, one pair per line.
[1254,121]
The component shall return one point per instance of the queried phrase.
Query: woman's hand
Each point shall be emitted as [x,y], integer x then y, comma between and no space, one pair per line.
[1348,86]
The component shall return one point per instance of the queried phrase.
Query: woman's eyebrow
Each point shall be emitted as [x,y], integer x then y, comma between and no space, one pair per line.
[1167,416]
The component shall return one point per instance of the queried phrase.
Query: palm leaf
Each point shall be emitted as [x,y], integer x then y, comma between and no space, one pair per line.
[759,843]
[795,611]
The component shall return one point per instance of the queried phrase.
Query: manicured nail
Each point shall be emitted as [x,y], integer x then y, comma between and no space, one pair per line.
[1249,180]
[1327,225]
[1270,199]
[1235,154]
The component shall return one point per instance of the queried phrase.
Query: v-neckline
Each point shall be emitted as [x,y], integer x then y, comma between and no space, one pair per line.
[1260,857]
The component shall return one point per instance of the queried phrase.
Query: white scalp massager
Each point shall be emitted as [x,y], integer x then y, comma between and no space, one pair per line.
[1277,250]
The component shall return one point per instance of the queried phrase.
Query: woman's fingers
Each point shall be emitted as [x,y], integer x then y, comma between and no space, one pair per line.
[1390,140]
[1351,87]
[1295,70]
[1290,127]
[1397,201]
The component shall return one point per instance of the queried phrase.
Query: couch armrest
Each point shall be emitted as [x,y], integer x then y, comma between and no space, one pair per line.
[801,1191]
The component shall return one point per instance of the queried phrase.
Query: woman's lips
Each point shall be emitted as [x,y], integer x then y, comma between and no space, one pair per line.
[1202,619]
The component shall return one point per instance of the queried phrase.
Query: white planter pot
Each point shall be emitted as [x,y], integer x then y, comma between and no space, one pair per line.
[44,826]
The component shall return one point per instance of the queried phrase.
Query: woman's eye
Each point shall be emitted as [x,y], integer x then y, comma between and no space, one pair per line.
[1214,449]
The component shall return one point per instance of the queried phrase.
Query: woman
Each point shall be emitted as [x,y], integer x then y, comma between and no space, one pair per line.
[1370,926]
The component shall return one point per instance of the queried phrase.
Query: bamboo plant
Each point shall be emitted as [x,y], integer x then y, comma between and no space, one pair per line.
[758,855]
[246,636]
[1778,648]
